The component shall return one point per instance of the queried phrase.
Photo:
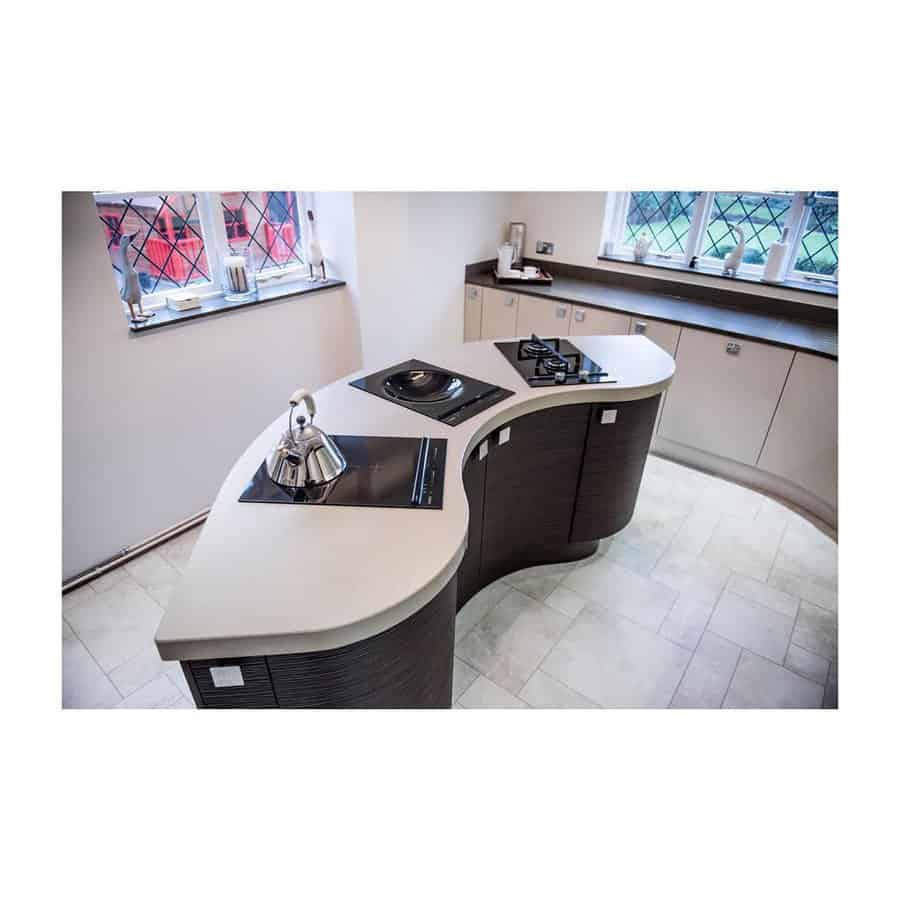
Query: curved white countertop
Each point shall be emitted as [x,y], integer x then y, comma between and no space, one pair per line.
[270,578]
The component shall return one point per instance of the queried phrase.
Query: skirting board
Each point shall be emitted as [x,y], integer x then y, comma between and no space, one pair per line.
[812,508]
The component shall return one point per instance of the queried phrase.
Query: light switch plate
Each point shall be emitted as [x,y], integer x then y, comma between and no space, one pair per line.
[544,248]
[226,676]
[608,416]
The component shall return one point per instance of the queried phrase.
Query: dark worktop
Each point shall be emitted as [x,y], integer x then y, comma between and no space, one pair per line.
[795,334]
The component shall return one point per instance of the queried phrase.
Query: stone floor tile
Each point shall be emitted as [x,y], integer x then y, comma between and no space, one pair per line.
[761,684]
[816,630]
[708,674]
[463,676]
[116,625]
[686,620]
[509,643]
[84,683]
[566,601]
[807,664]
[157,694]
[608,585]
[738,545]
[543,692]
[696,530]
[765,594]
[70,598]
[616,663]
[177,551]
[690,574]
[479,606]
[150,570]
[752,625]
[484,694]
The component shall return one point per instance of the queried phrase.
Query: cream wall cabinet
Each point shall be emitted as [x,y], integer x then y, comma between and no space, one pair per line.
[724,394]
[499,311]
[802,443]
[472,313]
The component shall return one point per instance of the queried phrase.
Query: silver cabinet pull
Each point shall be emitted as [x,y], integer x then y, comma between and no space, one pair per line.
[503,437]
[510,300]
[561,312]
[640,327]
[733,348]
[579,315]
[226,676]
[482,449]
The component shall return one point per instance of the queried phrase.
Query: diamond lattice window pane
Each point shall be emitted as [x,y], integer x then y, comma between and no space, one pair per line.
[761,216]
[167,251]
[265,225]
[818,251]
[664,216]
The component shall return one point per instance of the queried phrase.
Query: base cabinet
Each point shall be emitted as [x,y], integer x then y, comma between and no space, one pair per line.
[724,394]
[469,572]
[499,313]
[802,443]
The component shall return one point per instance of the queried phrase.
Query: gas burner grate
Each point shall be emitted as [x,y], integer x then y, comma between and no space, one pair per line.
[554,364]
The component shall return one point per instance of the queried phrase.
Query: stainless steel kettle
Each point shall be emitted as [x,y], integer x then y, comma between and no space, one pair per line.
[305,456]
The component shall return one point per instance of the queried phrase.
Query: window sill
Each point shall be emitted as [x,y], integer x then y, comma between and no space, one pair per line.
[829,290]
[216,304]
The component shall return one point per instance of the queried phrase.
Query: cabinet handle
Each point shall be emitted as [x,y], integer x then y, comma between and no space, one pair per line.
[503,437]
[733,348]
[510,300]
[579,315]
[482,449]
[226,676]
[640,327]
[561,312]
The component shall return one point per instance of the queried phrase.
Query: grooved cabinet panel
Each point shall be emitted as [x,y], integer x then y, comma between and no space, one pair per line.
[723,402]
[544,318]
[472,313]
[498,314]
[613,465]
[469,572]
[802,442]
[255,693]
[530,487]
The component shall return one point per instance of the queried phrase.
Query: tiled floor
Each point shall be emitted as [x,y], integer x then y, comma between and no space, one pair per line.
[713,596]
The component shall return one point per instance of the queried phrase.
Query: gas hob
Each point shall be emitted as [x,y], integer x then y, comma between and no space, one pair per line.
[552,362]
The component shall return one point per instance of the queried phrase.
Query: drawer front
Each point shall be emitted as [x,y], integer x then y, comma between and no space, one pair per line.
[724,394]
[255,692]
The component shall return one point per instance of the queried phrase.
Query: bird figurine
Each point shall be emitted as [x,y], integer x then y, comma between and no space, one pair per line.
[314,258]
[129,282]
[733,260]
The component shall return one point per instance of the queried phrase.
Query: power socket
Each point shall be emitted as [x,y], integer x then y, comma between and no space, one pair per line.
[544,248]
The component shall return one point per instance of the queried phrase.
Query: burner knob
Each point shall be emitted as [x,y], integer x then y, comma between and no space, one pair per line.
[560,377]
[583,375]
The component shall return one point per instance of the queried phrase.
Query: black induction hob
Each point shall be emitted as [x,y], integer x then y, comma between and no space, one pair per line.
[551,362]
[406,473]
[438,393]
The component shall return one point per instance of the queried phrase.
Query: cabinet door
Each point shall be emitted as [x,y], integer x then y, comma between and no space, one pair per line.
[598,321]
[724,394]
[545,318]
[614,455]
[802,442]
[661,333]
[498,314]
[529,495]
[469,572]
[472,313]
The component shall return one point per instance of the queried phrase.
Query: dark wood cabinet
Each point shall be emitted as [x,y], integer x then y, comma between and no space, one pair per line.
[551,484]
[615,452]
[530,487]
[469,572]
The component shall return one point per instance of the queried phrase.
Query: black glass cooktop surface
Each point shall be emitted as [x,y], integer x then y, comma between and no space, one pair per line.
[449,397]
[405,473]
[550,362]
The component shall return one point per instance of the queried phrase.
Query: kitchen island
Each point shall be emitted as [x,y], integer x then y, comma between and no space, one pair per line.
[293,606]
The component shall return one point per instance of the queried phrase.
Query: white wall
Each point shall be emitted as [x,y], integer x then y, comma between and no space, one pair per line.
[152,424]
[411,254]
[574,221]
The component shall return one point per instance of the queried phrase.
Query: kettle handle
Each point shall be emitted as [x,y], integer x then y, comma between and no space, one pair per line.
[302,394]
